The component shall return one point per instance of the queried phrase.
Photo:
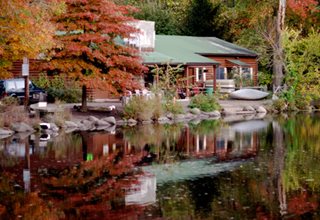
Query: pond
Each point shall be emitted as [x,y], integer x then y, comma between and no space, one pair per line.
[243,169]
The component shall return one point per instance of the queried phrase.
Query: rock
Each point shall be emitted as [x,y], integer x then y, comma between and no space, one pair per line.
[70,124]
[54,127]
[101,128]
[70,130]
[146,122]
[228,112]
[214,114]
[6,132]
[179,117]
[111,129]
[110,120]
[190,116]
[261,109]
[203,116]
[170,116]
[88,124]
[195,111]
[121,122]
[248,108]
[21,127]
[92,118]
[132,122]
[101,123]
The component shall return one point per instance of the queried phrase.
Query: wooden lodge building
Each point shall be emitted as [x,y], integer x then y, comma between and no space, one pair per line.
[207,61]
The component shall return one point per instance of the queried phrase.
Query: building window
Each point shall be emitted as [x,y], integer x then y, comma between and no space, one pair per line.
[220,73]
[246,72]
[200,74]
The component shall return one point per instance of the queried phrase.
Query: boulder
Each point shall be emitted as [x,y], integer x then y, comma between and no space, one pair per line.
[179,117]
[146,122]
[110,120]
[88,124]
[6,132]
[103,123]
[132,122]
[195,111]
[54,127]
[70,130]
[248,108]
[261,109]
[121,122]
[111,129]
[21,127]
[215,114]
[70,124]
[92,118]
[190,116]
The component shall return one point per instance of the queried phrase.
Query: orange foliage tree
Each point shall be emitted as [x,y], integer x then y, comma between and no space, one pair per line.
[92,50]
[25,30]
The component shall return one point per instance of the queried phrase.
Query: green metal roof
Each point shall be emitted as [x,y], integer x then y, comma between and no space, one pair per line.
[239,62]
[191,50]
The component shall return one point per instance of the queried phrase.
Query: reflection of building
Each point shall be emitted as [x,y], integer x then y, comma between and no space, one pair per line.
[225,143]
[143,193]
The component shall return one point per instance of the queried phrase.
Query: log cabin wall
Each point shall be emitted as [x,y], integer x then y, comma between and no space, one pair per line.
[252,61]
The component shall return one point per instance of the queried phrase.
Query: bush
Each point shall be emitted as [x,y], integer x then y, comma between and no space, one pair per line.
[8,102]
[279,105]
[139,108]
[206,103]
[142,109]
[59,89]
[174,107]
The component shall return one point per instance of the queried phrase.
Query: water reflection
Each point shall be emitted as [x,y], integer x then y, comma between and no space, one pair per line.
[257,169]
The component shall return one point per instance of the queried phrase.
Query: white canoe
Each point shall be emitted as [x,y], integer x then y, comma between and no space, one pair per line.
[248,94]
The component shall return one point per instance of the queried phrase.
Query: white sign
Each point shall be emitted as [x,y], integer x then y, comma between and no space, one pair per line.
[25,69]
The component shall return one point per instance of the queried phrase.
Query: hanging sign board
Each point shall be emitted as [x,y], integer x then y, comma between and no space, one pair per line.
[25,69]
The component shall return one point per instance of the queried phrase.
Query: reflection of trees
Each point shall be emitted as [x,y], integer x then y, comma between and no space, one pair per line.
[303,154]
[161,138]
[89,189]
[65,146]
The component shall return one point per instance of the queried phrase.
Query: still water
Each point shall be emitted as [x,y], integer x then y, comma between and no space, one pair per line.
[242,169]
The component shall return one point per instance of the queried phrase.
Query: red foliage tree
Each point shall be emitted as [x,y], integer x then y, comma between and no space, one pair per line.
[302,7]
[91,49]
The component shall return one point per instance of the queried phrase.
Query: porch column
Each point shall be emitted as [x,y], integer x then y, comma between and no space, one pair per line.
[187,89]
[214,79]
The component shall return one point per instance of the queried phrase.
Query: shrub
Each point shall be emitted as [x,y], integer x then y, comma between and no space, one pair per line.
[8,102]
[174,107]
[59,89]
[279,105]
[139,108]
[206,103]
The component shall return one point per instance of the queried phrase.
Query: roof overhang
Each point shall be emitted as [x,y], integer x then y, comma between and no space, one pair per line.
[239,63]
[229,55]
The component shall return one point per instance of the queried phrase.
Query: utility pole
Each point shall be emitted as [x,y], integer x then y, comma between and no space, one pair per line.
[25,74]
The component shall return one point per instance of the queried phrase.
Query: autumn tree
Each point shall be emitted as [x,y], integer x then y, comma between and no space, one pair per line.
[92,49]
[25,30]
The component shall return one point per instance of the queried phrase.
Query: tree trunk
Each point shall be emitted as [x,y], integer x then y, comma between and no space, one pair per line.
[279,162]
[278,56]
[84,106]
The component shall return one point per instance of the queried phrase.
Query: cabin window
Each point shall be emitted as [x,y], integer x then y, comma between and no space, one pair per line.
[200,74]
[246,72]
[220,73]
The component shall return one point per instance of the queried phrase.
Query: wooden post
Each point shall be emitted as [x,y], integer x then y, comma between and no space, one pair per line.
[214,79]
[187,86]
[25,74]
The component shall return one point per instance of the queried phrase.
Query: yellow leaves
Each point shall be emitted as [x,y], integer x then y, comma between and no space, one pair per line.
[25,29]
